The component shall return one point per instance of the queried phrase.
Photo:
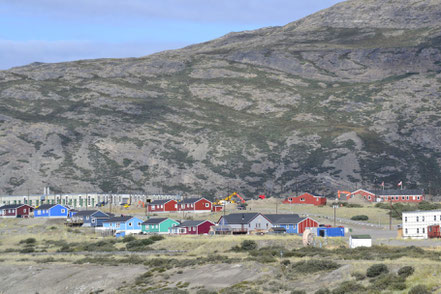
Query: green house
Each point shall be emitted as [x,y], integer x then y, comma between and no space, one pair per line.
[158,225]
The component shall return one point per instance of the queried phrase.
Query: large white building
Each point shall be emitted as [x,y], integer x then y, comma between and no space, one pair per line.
[84,200]
[415,223]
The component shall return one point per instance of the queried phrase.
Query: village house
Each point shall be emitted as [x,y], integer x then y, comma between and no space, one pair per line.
[306,198]
[242,223]
[364,194]
[89,218]
[165,205]
[158,225]
[51,211]
[412,196]
[360,241]
[124,224]
[195,205]
[292,223]
[16,210]
[192,227]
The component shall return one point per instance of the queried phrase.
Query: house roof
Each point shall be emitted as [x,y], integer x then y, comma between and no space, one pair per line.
[400,192]
[45,206]
[119,219]
[159,202]
[240,218]
[284,218]
[361,237]
[190,200]
[85,212]
[154,221]
[191,223]
[12,206]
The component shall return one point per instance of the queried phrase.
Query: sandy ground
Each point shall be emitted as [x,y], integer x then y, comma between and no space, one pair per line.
[66,279]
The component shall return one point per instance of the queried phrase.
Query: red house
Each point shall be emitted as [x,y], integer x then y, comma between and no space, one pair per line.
[16,210]
[193,227]
[369,196]
[163,205]
[410,196]
[306,198]
[195,205]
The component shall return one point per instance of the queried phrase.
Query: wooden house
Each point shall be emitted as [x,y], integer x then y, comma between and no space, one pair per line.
[306,198]
[292,223]
[158,225]
[195,205]
[16,210]
[243,223]
[127,224]
[165,205]
[192,227]
[51,211]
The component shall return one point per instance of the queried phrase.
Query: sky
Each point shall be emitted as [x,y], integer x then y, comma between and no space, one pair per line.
[65,30]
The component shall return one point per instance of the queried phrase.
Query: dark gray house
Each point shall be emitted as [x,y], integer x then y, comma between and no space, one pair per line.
[90,218]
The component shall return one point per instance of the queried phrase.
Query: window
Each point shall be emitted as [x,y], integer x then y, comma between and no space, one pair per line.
[422,218]
[369,197]
[130,224]
[418,197]
[424,230]
[87,217]
[405,231]
[302,199]
[207,204]
[418,231]
[407,197]
[139,223]
[93,220]
[63,210]
[176,206]
[405,219]
[417,219]
[24,211]
[192,205]
[434,217]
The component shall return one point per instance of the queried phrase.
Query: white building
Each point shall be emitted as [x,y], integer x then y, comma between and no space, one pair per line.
[360,241]
[415,223]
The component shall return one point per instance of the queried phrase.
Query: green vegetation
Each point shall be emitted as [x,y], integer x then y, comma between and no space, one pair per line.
[314,265]
[398,208]
[360,218]
[376,270]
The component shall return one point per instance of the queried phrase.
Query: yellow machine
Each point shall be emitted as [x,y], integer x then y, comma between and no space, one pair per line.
[229,199]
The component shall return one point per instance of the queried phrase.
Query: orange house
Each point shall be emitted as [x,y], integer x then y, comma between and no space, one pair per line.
[306,198]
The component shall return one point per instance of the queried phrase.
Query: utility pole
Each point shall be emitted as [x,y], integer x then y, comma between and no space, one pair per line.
[390,215]
[335,214]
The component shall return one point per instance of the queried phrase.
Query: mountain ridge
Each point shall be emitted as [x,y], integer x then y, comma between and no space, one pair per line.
[306,106]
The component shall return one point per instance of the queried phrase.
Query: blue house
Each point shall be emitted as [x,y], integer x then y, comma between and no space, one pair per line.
[124,224]
[89,218]
[51,211]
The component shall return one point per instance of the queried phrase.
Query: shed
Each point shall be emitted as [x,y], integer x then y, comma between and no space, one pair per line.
[331,232]
[360,241]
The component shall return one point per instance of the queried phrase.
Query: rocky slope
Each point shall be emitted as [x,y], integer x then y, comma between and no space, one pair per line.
[346,97]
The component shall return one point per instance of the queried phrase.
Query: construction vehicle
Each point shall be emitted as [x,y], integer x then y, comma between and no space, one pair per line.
[262,197]
[348,194]
[230,199]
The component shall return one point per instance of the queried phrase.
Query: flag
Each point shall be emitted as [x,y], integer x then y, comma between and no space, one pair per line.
[382,184]
[400,183]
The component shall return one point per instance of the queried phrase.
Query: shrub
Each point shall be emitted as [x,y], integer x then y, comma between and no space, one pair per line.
[28,241]
[129,238]
[139,245]
[376,270]
[360,217]
[323,291]
[419,289]
[386,281]
[248,245]
[348,287]
[312,266]
[298,292]
[358,276]
[406,271]
[27,250]
[156,238]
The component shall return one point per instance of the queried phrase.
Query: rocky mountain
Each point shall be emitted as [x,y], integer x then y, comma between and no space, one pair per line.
[347,97]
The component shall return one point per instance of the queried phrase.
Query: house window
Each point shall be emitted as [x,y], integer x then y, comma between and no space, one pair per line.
[87,217]
[130,224]
[63,210]
[424,230]
[418,197]
[302,199]
[192,205]
[405,219]
[162,206]
[93,220]
[176,206]
[405,231]
[139,223]
[24,211]
[422,218]
[418,231]
[417,219]
[434,217]
[207,204]
[369,197]
[407,197]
